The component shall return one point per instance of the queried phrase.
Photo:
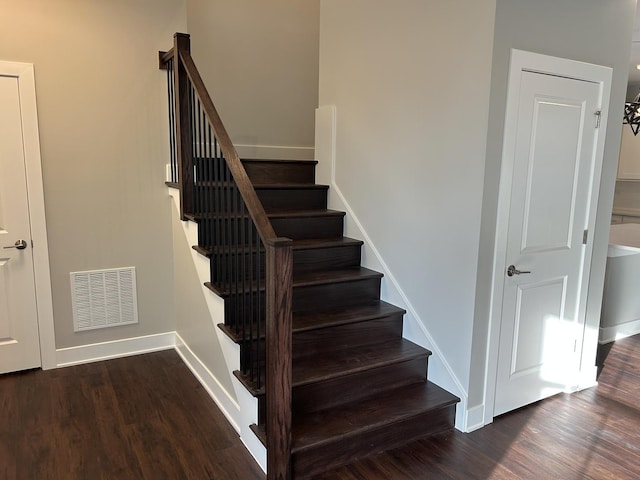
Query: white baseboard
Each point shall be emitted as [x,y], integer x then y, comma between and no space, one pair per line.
[97,352]
[225,402]
[474,418]
[275,152]
[617,332]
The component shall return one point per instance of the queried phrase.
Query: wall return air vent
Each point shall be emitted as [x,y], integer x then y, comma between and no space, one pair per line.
[104,298]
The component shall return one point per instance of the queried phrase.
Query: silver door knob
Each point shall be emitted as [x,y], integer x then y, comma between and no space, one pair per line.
[512,270]
[20,245]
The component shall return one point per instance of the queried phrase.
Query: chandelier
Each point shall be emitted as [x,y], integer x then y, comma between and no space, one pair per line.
[632,114]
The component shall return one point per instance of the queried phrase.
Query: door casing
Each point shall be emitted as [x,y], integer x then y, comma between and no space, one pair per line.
[533,62]
[24,73]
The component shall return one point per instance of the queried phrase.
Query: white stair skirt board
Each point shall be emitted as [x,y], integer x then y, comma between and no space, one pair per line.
[225,402]
[97,352]
[242,412]
[414,329]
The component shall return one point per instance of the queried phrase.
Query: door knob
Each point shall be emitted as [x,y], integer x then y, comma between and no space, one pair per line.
[20,245]
[512,270]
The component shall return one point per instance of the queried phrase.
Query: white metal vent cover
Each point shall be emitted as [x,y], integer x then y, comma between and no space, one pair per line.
[104,298]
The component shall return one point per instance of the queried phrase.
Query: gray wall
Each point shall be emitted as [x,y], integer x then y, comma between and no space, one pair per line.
[103,144]
[259,61]
[587,30]
[410,81]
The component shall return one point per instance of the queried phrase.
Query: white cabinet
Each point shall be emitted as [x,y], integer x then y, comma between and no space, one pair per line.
[629,164]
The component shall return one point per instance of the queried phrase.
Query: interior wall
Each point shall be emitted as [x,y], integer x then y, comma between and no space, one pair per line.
[586,30]
[195,323]
[102,117]
[410,81]
[259,61]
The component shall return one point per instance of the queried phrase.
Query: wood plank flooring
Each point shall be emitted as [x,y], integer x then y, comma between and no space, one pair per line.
[147,417]
[142,417]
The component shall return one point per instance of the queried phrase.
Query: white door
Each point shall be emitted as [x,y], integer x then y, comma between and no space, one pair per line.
[543,300]
[19,341]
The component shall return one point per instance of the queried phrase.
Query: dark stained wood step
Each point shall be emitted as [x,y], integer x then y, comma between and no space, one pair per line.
[308,254]
[293,224]
[333,437]
[340,362]
[264,171]
[280,171]
[327,318]
[272,196]
[317,278]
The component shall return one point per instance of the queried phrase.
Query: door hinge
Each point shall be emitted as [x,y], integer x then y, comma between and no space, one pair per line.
[598,115]
[585,234]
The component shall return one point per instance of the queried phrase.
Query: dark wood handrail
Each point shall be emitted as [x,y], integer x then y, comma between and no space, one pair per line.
[279,258]
[249,195]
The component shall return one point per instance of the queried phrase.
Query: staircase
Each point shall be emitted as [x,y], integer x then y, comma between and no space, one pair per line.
[324,356]
[358,387]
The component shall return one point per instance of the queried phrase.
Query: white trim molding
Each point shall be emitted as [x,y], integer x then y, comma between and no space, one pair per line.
[97,352]
[24,73]
[225,402]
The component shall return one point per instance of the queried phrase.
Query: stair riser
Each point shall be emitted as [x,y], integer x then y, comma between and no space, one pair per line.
[350,448]
[299,228]
[303,261]
[316,342]
[343,294]
[306,298]
[288,199]
[326,258]
[236,230]
[319,341]
[266,172]
[339,391]
[208,200]
[258,171]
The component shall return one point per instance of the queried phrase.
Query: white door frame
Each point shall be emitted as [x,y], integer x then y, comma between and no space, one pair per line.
[533,62]
[23,72]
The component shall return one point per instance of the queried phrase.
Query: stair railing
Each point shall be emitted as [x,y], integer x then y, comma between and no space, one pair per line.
[251,267]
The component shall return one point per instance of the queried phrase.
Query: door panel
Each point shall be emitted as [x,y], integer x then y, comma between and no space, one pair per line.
[553,162]
[550,193]
[19,341]
[544,301]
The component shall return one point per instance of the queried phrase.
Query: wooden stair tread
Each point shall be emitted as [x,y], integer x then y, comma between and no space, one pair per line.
[324,427]
[301,244]
[333,317]
[267,186]
[341,362]
[305,321]
[310,369]
[275,214]
[278,160]
[319,277]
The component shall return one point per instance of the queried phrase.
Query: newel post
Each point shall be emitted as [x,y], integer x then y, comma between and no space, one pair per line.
[181,43]
[278,386]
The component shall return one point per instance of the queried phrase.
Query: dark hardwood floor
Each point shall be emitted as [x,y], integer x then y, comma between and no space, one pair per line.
[143,417]
[147,417]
